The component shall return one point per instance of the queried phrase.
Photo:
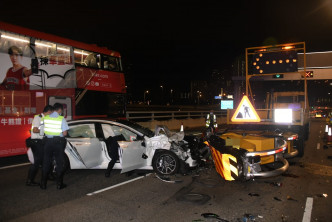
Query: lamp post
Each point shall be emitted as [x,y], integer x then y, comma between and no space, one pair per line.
[171,95]
[198,95]
[145,92]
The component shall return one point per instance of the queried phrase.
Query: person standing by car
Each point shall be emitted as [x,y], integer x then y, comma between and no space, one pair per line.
[55,130]
[113,152]
[37,134]
[211,121]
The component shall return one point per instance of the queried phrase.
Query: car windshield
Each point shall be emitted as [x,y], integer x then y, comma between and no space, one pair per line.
[137,127]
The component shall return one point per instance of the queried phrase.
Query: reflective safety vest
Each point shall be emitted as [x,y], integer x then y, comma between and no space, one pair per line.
[208,121]
[53,125]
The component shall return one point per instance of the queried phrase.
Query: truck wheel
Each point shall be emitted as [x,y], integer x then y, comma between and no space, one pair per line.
[165,163]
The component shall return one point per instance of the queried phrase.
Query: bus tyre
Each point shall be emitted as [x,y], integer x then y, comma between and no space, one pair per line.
[165,162]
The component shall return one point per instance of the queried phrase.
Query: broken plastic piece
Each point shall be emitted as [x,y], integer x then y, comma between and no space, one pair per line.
[276,184]
[167,179]
[253,194]
[322,195]
[210,215]
[289,175]
[248,217]
[213,216]
[290,198]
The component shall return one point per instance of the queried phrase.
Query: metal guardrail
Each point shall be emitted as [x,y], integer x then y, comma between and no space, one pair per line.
[157,115]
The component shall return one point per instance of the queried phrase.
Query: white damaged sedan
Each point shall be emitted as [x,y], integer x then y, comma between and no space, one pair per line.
[162,151]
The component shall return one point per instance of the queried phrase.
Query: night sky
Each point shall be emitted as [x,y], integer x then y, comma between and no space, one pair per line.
[172,42]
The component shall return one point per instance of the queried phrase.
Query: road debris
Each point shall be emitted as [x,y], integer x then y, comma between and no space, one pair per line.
[195,198]
[283,218]
[276,198]
[322,195]
[167,179]
[289,175]
[253,194]
[290,198]
[248,217]
[213,216]
[275,184]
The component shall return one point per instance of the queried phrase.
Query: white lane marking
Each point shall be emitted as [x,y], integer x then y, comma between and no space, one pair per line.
[308,210]
[12,166]
[117,185]
[318,146]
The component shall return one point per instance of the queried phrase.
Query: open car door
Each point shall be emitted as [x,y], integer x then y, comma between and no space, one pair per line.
[132,155]
[83,138]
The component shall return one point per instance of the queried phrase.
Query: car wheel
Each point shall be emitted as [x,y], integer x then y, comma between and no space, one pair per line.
[165,163]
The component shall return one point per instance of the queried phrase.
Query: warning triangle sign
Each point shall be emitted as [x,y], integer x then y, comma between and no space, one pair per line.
[245,112]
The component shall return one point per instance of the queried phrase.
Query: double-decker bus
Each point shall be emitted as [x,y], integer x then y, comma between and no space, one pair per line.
[37,69]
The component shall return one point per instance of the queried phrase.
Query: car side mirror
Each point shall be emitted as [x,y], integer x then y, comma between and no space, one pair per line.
[139,138]
[143,143]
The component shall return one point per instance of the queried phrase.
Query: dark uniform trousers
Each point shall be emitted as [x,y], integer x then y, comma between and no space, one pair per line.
[112,148]
[37,151]
[54,147]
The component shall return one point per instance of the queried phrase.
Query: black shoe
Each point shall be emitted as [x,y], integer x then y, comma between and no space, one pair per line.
[61,186]
[107,174]
[31,183]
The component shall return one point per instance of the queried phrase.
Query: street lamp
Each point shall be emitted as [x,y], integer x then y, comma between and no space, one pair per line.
[145,92]
[198,96]
[171,95]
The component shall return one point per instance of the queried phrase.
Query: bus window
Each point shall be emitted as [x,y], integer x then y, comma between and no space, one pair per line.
[110,63]
[44,49]
[86,58]
[9,40]
[63,53]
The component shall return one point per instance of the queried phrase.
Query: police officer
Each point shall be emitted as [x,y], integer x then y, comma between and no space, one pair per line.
[37,134]
[54,145]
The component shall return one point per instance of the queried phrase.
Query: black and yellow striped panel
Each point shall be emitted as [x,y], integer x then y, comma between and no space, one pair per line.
[226,164]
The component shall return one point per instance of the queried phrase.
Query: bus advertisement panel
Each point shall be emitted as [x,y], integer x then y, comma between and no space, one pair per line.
[55,65]
[37,69]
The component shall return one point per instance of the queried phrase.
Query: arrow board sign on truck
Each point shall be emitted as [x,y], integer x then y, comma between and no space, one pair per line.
[245,112]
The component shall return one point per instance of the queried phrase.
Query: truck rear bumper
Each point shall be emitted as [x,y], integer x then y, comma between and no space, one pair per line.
[271,173]
[292,154]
